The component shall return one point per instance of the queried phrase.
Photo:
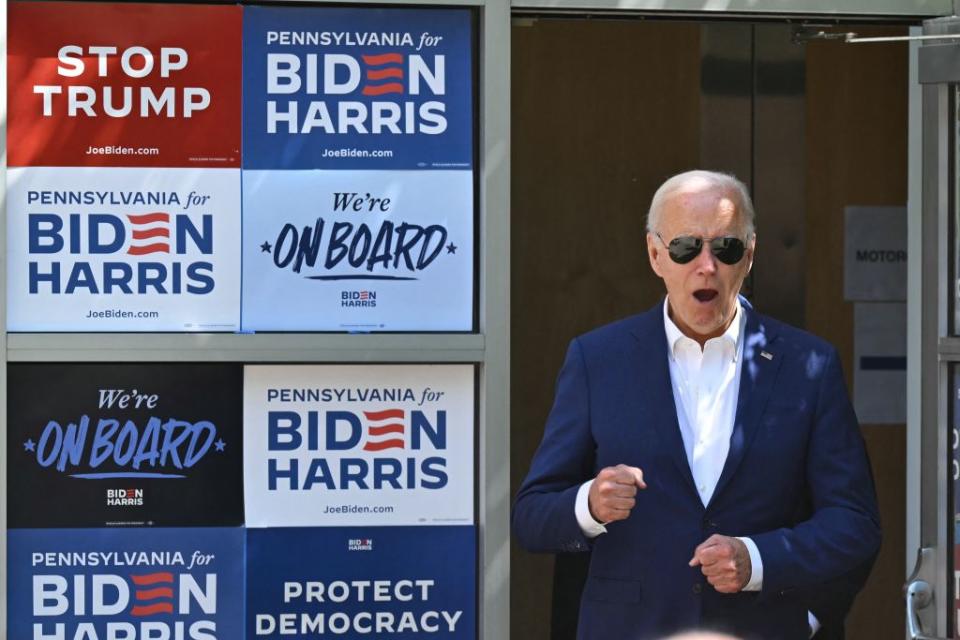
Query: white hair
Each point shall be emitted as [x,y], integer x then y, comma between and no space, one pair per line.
[701,635]
[698,179]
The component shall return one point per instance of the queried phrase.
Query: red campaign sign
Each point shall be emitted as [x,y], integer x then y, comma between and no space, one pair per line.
[123,85]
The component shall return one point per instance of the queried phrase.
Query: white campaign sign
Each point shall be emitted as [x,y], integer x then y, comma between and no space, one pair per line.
[358,445]
[357,250]
[122,249]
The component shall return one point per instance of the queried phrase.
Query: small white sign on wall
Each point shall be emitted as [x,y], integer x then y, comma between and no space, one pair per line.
[880,362]
[875,254]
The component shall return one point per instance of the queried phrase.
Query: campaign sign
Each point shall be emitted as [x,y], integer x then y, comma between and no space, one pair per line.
[357,88]
[347,445]
[358,250]
[353,583]
[123,85]
[955,613]
[123,249]
[110,584]
[93,445]
[955,450]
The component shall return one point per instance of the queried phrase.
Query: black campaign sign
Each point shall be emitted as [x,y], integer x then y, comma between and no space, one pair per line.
[95,445]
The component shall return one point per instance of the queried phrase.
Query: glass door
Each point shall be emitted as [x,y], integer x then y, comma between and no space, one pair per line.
[933,589]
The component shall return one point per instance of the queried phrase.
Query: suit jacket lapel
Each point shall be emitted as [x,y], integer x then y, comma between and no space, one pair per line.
[654,398]
[758,371]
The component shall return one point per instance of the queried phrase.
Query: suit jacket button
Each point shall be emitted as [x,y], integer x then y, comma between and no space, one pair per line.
[697,588]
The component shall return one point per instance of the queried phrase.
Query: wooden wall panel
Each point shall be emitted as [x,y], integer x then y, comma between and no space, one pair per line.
[857,155]
[603,112]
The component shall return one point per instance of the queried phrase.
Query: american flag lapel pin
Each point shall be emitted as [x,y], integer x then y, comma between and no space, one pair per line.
[766,354]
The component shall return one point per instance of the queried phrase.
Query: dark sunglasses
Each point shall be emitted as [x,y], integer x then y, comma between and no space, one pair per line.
[683,249]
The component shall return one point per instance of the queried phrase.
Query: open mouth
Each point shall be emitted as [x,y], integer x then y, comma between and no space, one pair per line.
[705,295]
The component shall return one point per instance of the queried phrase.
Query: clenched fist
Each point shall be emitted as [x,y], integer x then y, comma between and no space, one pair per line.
[612,494]
[725,562]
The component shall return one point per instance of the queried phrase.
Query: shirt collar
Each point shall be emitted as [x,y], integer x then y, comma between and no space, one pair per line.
[731,336]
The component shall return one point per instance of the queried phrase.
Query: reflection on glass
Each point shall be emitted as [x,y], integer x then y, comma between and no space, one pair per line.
[954,561]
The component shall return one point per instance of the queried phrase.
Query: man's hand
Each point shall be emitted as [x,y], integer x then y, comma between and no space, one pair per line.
[612,492]
[725,561]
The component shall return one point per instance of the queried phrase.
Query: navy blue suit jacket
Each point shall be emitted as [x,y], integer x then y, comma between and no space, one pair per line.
[796,480]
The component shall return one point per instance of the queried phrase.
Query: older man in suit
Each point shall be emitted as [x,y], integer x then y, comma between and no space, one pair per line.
[708,455]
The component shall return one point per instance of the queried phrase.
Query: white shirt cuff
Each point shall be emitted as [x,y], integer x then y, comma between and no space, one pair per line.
[590,527]
[813,622]
[756,565]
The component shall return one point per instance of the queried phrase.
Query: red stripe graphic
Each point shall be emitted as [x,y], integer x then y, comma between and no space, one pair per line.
[386,444]
[152,578]
[383,58]
[149,610]
[157,247]
[380,74]
[384,430]
[390,87]
[150,233]
[149,218]
[152,594]
[396,414]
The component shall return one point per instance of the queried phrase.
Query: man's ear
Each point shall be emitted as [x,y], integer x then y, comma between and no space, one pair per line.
[653,251]
[751,245]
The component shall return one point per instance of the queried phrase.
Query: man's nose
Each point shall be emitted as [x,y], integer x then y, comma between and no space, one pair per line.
[705,261]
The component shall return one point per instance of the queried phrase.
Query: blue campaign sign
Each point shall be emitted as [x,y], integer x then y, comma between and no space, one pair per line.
[100,584]
[357,88]
[352,583]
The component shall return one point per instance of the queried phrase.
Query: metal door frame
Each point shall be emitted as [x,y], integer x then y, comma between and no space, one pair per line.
[931,349]
[748,8]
